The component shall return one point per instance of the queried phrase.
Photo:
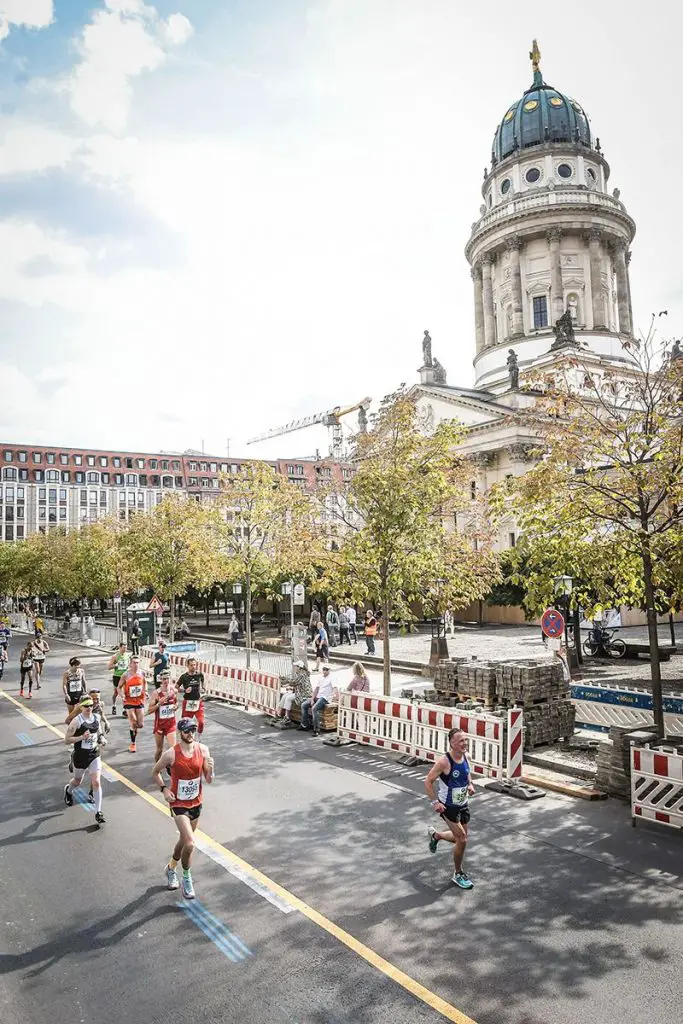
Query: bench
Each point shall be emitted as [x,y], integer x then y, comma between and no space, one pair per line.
[329,717]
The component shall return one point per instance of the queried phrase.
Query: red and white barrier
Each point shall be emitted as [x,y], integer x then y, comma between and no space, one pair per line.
[250,688]
[421,730]
[657,785]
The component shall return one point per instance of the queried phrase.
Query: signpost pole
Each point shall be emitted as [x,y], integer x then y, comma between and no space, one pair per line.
[291,615]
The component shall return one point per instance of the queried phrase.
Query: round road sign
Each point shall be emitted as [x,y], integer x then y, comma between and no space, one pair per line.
[552,623]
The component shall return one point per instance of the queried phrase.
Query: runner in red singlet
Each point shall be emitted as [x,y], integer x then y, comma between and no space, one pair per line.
[163,706]
[190,765]
[133,689]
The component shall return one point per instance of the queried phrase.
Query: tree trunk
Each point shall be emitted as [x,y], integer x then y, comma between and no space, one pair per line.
[81,617]
[247,624]
[171,635]
[651,611]
[386,650]
[576,619]
[208,610]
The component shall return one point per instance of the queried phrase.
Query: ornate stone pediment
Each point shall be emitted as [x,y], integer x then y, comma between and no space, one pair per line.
[521,452]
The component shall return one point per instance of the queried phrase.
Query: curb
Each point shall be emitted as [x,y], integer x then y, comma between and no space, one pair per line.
[565,788]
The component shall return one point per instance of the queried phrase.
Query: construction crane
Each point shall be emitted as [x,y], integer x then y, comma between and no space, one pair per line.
[331,419]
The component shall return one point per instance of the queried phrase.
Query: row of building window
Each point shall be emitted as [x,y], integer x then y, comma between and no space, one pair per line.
[117,461]
[55,476]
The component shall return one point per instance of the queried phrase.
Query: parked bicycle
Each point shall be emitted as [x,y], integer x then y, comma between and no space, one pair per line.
[602,643]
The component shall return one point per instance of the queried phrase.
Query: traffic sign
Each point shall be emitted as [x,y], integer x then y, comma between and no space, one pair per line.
[155,606]
[552,623]
[299,593]
[237,588]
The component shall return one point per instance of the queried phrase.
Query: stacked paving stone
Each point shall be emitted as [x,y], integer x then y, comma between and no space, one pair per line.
[529,682]
[548,722]
[614,761]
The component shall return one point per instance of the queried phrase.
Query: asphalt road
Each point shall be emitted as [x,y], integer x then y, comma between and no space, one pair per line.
[318,901]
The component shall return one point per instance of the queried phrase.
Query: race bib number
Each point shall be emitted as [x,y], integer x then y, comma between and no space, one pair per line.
[29,664]
[188,789]
[459,796]
[135,691]
[192,705]
[166,710]
[88,741]
[75,686]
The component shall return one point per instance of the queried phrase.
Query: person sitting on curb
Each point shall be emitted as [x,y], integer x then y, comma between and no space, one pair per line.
[325,693]
[296,692]
[360,682]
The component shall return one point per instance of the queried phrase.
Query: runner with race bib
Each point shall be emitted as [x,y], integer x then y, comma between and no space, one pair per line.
[191,766]
[191,685]
[163,706]
[133,689]
[118,664]
[73,683]
[85,733]
[452,776]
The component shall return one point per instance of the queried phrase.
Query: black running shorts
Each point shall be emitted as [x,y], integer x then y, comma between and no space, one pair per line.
[191,812]
[457,814]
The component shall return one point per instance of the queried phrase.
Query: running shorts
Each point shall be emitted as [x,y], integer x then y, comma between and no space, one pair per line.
[163,726]
[191,812]
[457,813]
[199,715]
[91,768]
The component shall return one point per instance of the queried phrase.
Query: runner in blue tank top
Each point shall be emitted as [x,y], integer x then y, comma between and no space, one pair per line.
[452,777]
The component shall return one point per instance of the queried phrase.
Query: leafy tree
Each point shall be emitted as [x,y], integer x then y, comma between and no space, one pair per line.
[265,529]
[173,547]
[390,540]
[611,479]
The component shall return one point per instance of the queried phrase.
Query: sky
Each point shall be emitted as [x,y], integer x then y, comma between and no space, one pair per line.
[217,216]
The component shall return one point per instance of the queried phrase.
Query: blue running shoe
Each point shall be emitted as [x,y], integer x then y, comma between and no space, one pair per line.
[172,878]
[431,832]
[187,886]
[461,880]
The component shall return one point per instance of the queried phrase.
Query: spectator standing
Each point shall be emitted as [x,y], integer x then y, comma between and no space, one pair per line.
[322,650]
[90,626]
[360,683]
[448,621]
[135,634]
[324,693]
[351,616]
[332,622]
[370,632]
[343,627]
[159,663]
[233,630]
[313,623]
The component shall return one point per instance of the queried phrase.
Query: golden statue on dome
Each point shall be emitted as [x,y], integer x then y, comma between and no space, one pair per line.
[535,56]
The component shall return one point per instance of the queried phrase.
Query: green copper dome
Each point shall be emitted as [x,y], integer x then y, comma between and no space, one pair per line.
[543,114]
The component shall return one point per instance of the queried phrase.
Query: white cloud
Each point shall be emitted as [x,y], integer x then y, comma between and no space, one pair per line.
[26,147]
[28,13]
[119,44]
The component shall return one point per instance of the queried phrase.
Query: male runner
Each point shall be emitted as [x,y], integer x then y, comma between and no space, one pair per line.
[190,764]
[73,683]
[163,705]
[453,778]
[133,689]
[40,648]
[118,664]
[159,662]
[85,734]
[191,685]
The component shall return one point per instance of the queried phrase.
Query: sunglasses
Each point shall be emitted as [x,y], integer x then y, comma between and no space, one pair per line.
[188,732]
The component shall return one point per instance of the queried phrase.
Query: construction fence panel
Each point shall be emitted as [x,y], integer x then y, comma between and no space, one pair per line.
[600,707]
[494,744]
[657,784]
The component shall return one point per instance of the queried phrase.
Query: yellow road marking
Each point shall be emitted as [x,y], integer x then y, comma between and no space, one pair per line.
[420,992]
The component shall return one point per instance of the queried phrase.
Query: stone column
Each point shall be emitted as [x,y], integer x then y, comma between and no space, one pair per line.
[514,246]
[556,293]
[628,286]
[478,306]
[619,256]
[595,255]
[487,295]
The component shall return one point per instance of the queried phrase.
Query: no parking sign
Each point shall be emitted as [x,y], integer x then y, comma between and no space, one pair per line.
[552,623]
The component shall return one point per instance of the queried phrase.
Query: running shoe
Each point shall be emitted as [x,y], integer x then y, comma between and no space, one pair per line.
[461,880]
[68,797]
[431,832]
[172,878]
[99,818]
[91,798]
[113,711]
[187,887]
[29,697]
[132,748]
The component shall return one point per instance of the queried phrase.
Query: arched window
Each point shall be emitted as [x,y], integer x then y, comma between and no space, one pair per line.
[9,473]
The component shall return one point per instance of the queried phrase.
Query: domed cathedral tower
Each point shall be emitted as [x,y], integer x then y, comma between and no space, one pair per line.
[551,241]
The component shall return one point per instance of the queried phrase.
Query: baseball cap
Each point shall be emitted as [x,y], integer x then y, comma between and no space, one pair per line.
[187,725]
[86,702]
[326,668]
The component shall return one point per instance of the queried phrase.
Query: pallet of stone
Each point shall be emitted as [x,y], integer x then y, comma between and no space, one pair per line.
[529,682]
[328,722]
[477,679]
[548,722]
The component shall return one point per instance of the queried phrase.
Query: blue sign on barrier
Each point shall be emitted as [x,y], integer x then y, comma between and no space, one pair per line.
[625,698]
[178,648]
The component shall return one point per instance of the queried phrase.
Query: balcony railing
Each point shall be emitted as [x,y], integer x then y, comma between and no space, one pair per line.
[547,201]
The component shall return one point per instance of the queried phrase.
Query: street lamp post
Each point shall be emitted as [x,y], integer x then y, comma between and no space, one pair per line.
[288,588]
[439,647]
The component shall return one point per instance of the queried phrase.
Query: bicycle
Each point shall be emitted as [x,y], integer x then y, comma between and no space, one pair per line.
[601,642]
